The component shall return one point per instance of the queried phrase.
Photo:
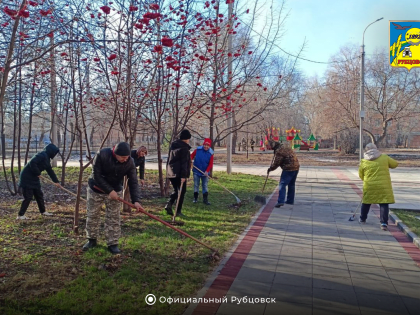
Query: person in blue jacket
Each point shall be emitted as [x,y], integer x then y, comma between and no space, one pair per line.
[203,163]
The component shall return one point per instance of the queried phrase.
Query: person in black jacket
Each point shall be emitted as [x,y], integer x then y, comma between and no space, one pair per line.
[178,170]
[105,186]
[139,157]
[29,180]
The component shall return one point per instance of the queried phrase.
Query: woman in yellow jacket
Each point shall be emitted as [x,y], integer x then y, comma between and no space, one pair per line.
[377,187]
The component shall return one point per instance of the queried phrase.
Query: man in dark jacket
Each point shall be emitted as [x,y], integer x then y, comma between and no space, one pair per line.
[178,170]
[29,180]
[105,186]
[285,158]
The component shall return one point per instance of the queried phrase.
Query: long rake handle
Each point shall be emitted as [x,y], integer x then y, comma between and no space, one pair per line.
[264,184]
[268,174]
[177,201]
[215,181]
[66,190]
[355,211]
[163,222]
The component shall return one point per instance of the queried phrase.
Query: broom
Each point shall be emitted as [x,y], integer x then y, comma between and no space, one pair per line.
[260,198]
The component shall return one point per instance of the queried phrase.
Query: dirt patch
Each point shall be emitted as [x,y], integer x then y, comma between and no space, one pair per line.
[39,256]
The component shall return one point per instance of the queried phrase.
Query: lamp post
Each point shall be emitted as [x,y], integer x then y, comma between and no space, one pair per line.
[362,92]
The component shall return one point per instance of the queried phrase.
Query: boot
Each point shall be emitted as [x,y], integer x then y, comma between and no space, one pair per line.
[168,207]
[195,197]
[205,198]
[90,244]
[114,249]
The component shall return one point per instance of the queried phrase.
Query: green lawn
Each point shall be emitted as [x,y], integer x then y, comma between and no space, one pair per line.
[47,273]
[409,219]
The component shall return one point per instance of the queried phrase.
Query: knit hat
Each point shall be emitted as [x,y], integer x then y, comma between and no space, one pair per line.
[274,145]
[185,135]
[122,149]
[207,141]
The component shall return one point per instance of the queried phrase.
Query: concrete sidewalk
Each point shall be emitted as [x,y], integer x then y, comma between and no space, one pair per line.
[405,181]
[312,260]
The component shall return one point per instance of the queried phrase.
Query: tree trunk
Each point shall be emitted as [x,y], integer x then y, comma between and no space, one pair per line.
[53,129]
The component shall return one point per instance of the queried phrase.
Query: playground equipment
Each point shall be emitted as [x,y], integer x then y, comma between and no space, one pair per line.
[272,133]
[313,143]
[296,141]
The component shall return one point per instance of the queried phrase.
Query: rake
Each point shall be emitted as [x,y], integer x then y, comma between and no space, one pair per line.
[215,253]
[355,211]
[66,190]
[237,199]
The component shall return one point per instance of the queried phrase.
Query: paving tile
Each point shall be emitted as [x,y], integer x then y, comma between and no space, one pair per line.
[261,263]
[299,279]
[367,311]
[329,310]
[412,305]
[293,266]
[255,274]
[404,276]
[410,291]
[337,269]
[291,294]
[333,283]
[368,286]
[381,303]
[336,299]
[241,287]
[282,307]
[364,261]
[366,272]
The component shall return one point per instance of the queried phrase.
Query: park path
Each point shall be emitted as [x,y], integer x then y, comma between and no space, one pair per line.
[312,260]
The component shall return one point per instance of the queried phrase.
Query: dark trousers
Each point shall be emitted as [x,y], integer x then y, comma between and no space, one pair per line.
[287,179]
[176,184]
[384,212]
[28,194]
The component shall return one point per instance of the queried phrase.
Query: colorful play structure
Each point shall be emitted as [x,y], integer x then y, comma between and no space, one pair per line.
[296,141]
[292,136]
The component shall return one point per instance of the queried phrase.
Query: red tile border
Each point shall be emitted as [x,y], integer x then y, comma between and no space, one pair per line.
[403,239]
[221,285]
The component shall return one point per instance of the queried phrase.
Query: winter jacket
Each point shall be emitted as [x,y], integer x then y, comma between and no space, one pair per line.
[39,162]
[179,160]
[138,161]
[285,158]
[108,174]
[203,160]
[374,171]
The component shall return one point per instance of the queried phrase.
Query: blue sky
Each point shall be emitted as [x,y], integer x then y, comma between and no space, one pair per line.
[328,25]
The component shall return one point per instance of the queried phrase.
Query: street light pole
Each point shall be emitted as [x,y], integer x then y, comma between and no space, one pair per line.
[362,92]
[230,76]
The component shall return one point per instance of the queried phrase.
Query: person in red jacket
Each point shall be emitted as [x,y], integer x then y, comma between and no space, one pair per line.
[203,163]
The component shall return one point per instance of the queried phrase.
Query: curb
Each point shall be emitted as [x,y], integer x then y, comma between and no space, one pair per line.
[405,229]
